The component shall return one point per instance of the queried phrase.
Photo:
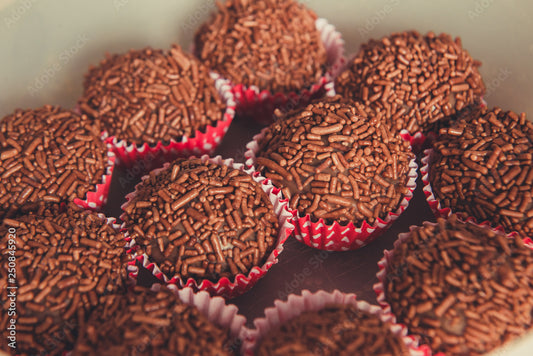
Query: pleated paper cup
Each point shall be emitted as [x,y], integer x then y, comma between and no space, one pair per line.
[336,236]
[240,283]
[283,311]
[203,141]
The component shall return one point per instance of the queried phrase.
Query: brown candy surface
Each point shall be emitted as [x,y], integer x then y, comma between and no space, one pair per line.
[48,155]
[419,82]
[466,290]
[143,322]
[334,330]
[58,268]
[337,161]
[272,44]
[202,220]
[482,166]
[152,95]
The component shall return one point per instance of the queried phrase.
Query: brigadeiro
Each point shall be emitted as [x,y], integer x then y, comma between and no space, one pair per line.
[341,168]
[155,105]
[57,269]
[420,82]
[275,52]
[482,167]
[325,323]
[163,322]
[50,155]
[206,223]
[464,289]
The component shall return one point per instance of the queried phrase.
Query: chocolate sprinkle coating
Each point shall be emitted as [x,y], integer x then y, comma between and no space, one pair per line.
[271,44]
[482,165]
[65,262]
[202,221]
[337,161]
[48,155]
[420,82]
[148,323]
[334,330]
[464,289]
[148,96]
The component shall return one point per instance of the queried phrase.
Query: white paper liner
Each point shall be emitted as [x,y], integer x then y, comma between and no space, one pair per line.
[224,287]
[307,301]
[214,308]
[337,237]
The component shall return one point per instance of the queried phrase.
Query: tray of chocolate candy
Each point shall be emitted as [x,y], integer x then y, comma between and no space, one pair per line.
[273,177]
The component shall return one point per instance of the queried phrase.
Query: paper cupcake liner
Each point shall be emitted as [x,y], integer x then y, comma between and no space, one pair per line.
[95,200]
[335,236]
[214,309]
[224,286]
[128,154]
[260,104]
[384,262]
[295,305]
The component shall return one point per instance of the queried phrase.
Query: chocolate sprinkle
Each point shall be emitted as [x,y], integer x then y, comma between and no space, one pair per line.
[151,323]
[202,220]
[334,330]
[65,263]
[337,161]
[271,44]
[48,155]
[483,166]
[464,289]
[419,82]
[151,96]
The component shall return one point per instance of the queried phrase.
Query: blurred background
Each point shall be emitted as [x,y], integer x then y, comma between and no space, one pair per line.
[47,46]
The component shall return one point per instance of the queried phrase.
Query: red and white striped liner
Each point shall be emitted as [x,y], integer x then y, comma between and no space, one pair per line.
[383,265]
[129,154]
[223,287]
[337,237]
[295,305]
[260,104]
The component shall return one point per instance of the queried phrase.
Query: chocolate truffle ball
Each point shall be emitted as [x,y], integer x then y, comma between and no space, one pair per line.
[482,166]
[271,44]
[334,330]
[464,289]
[143,322]
[336,160]
[420,82]
[202,220]
[148,96]
[48,155]
[58,267]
